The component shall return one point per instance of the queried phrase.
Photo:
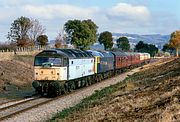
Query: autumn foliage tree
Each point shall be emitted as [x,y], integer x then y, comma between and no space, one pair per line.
[175,41]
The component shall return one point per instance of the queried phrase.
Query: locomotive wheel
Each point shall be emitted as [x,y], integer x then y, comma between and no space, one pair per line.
[77,84]
[51,92]
[86,82]
[64,89]
[71,86]
[54,89]
[99,78]
[89,80]
[39,90]
[82,83]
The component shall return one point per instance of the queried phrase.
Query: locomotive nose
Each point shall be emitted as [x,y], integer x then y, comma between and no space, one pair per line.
[46,74]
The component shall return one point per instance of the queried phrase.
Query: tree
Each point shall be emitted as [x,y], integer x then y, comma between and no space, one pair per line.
[59,42]
[24,31]
[19,31]
[167,48]
[42,40]
[123,43]
[93,27]
[81,33]
[152,50]
[175,41]
[139,45]
[146,48]
[106,39]
[36,30]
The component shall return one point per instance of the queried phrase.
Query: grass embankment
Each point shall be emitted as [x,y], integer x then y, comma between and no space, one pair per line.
[16,76]
[150,95]
[28,59]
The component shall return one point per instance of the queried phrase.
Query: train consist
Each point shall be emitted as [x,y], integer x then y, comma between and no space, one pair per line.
[57,71]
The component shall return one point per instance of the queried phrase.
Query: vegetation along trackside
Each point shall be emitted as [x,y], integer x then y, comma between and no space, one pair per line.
[143,96]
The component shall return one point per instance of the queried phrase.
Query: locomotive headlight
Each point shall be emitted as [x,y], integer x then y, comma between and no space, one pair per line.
[51,72]
[36,73]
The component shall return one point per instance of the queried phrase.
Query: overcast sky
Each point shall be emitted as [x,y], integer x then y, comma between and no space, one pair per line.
[120,16]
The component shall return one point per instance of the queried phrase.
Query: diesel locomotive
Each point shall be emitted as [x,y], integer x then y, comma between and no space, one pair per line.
[57,71]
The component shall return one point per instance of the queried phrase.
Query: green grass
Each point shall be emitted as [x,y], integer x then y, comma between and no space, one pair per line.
[14,92]
[94,99]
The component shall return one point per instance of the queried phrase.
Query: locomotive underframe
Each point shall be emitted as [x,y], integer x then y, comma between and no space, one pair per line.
[54,88]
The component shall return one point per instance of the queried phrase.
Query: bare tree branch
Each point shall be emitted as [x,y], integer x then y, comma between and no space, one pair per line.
[36,30]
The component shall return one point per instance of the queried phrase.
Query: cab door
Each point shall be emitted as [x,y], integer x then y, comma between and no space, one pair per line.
[97,64]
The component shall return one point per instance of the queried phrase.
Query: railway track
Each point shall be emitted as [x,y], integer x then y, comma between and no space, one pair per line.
[17,107]
[10,110]
[6,102]
[13,102]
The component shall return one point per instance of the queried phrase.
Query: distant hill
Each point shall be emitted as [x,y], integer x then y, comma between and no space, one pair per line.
[156,39]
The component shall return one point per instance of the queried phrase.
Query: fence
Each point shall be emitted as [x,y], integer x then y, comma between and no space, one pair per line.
[9,54]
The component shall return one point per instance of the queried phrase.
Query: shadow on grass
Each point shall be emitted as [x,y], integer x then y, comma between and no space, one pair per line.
[13,92]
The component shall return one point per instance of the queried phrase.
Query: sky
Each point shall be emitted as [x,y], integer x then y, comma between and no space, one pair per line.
[116,16]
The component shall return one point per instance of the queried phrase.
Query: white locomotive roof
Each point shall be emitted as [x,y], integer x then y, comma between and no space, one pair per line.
[68,53]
